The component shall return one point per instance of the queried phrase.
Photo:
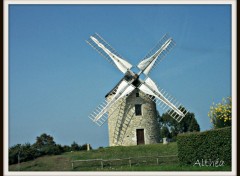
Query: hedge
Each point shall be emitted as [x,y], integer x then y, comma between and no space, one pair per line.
[213,145]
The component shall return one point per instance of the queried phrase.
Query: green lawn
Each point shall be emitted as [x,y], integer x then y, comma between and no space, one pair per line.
[173,167]
[63,162]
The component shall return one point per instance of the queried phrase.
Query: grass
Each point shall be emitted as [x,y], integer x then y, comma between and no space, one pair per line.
[45,163]
[63,162]
[125,152]
[173,167]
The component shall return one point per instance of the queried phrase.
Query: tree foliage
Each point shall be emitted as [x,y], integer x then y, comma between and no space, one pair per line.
[187,124]
[66,148]
[75,146]
[21,152]
[13,153]
[221,114]
[44,140]
[44,145]
[164,132]
[84,147]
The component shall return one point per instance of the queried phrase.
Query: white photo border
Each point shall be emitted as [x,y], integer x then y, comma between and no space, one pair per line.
[233,4]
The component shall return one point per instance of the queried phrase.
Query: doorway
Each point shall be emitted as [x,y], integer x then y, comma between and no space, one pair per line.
[140,136]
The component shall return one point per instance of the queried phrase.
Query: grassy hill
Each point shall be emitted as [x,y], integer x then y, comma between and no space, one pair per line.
[63,162]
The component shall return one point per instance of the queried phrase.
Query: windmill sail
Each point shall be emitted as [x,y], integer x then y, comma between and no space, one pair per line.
[151,89]
[109,53]
[156,54]
[100,113]
[127,85]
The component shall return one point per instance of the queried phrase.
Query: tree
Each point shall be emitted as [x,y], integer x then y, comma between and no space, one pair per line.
[66,148]
[165,132]
[187,124]
[193,126]
[75,146]
[44,140]
[21,152]
[13,153]
[221,114]
[45,145]
[84,147]
[27,152]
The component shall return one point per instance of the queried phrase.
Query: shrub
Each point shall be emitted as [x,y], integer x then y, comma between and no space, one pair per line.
[75,146]
[209,145]
[84,147]
[221,114]
[171,128]
[44,145]
[21,153]
[66,148]
[13,153]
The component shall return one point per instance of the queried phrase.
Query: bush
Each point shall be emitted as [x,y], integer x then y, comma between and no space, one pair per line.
[221,114]
[21,153]
[66,148]
[44,145]
[13,153]
[84,147]
[75,146]
[170,128]
[214,145]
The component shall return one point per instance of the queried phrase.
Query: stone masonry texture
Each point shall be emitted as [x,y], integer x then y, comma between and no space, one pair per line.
[123,123]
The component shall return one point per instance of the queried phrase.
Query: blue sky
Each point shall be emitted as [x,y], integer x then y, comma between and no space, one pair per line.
[56,79]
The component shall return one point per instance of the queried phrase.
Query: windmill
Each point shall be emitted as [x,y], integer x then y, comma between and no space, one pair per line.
[124,104]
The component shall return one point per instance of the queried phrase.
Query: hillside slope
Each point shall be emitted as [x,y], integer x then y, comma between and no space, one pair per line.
[63,162]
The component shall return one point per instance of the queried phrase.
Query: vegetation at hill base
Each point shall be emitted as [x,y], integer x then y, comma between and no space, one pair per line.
[44,145]
[63,162]
[46,155]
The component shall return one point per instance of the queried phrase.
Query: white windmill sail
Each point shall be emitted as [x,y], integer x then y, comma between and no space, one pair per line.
[123,89]
[150,88]
[160,50]
[109,53]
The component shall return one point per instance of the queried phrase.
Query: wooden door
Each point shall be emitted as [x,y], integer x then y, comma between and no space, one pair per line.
[140,136]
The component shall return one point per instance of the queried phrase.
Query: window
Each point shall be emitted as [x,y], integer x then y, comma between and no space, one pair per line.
[137,94]
[138,109]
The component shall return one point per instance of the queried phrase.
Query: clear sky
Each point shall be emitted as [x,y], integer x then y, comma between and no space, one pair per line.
[56,79]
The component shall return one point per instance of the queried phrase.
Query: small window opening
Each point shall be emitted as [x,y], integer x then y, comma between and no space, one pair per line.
[137,94]
[138,109]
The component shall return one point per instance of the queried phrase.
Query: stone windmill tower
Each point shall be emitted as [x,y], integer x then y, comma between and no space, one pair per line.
[133,120]
[130,106]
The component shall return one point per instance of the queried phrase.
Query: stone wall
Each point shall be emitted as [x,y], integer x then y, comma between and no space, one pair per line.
[123,123]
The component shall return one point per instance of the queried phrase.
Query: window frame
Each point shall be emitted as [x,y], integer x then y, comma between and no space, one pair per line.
[138,109]
[137,94]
